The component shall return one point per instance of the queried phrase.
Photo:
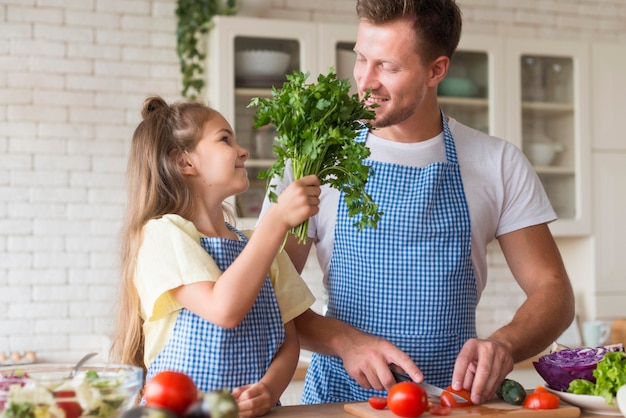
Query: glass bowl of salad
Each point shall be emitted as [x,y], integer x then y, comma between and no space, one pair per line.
[45,390]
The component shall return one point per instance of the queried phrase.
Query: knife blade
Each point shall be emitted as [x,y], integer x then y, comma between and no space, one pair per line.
[431,390]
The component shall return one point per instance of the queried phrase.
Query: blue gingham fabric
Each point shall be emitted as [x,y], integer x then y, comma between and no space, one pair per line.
[216,357]
[410,281]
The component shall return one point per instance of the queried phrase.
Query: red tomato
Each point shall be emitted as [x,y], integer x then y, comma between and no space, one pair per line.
[71,407]
[541,399]
[172,390]
[447,398]
[377,402]
[440,410]
[407,399]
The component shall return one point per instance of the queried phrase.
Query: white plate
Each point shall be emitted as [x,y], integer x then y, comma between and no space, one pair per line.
[590,403]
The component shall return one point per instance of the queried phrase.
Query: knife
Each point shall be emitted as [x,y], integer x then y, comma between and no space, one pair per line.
[431,390]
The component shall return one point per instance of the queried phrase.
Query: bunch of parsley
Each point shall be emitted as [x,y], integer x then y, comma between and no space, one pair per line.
[317,124]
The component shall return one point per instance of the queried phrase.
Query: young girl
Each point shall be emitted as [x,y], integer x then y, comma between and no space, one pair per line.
[196,294]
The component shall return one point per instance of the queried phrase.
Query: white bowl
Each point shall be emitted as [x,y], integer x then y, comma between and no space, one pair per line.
[589,403]
[542,153]
[621,400]
[261,62]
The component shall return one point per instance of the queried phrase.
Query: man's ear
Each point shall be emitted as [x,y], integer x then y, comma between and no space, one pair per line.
[185,164]
[439,69]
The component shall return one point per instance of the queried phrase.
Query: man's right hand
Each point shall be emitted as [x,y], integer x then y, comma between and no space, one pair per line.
[367,359]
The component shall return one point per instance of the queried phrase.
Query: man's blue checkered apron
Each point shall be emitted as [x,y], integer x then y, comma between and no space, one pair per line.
[410,281]
[217,357]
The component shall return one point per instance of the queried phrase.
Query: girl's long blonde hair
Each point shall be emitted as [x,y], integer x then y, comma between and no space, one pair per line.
[155,188]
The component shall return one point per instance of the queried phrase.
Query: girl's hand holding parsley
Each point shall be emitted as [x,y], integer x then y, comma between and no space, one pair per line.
[296,203]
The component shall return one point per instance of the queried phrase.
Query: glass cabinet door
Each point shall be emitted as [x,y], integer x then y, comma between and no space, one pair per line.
[260,64]
[247,57]
[548,137]
[471,91]
[549,121]
[464,93]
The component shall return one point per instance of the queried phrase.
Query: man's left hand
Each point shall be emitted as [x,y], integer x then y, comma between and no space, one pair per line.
[480,368]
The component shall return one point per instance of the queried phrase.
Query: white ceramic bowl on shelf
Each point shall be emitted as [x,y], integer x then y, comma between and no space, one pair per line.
[542,153]
[261,62]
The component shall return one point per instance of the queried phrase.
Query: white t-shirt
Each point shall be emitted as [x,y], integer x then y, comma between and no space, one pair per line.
[503,191]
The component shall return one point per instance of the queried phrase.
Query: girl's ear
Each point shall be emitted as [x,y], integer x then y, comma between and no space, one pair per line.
[185,164]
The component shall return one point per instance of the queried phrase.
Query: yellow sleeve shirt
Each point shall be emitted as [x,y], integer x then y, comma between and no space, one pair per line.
[171,255]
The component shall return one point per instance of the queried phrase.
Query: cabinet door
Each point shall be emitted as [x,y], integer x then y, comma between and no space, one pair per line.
[472,91]
[548,119]
[608,174]
[610,230]
[241,59]
[608,96]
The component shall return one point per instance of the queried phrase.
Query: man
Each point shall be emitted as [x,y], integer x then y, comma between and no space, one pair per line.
[405,294]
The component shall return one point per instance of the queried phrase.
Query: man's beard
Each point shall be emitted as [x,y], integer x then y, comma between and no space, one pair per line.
[394,117]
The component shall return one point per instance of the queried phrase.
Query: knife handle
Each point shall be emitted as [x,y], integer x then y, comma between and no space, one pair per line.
[400,376]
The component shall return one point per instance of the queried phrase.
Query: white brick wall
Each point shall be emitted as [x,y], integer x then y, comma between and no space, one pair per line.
[73,74]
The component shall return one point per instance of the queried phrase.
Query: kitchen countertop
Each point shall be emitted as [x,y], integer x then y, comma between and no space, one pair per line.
[335,410]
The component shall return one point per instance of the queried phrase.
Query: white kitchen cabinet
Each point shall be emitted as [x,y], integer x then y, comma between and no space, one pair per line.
[608,103]
[548,118]
[535,95]
[609,294]
[608,112]
[502,98]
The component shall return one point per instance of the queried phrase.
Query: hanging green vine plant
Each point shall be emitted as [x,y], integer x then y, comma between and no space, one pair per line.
[195,19]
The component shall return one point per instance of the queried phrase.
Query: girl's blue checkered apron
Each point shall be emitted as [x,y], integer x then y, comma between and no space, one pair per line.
[410,281]
[217,357]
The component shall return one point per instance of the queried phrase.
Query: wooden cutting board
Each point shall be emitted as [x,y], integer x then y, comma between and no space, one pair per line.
[493,409]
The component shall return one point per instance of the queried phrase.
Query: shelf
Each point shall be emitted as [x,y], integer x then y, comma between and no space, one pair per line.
[464,101]
[552,107]
[253,92]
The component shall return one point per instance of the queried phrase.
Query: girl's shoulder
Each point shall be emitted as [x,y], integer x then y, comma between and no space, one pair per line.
[171,224]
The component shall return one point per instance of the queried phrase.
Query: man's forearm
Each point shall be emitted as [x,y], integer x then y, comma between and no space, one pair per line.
[321,334]
[530,332]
